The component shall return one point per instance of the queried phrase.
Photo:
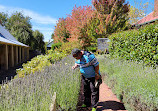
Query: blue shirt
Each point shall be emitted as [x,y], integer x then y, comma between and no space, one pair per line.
[87,64]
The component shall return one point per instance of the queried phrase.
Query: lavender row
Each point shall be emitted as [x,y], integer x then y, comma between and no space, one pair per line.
[34,92]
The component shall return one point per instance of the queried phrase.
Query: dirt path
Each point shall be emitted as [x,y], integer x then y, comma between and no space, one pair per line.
[108,101]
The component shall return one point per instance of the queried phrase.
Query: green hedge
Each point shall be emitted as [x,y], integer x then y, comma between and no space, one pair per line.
[134,84]
[139,45]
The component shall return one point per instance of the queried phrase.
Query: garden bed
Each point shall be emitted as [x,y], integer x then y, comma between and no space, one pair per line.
[132,82]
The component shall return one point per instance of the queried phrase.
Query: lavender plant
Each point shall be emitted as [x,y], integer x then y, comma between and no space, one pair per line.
[34,92]
[137,84]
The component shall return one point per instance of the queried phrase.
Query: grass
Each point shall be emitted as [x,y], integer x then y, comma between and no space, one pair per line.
[133,83]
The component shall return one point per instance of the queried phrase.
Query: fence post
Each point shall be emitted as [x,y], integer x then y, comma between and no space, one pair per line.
[53,105]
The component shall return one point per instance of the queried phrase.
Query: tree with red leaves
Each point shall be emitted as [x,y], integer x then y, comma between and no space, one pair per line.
[61,34]
[90,32]
[69,29]
[113,15]
[77,20]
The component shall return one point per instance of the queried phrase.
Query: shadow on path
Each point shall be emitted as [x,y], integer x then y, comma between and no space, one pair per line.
[113,105]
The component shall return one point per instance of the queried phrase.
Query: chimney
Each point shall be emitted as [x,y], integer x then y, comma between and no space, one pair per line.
[155,8]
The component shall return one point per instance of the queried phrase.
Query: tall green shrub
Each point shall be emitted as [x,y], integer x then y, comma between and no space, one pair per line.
[139,45]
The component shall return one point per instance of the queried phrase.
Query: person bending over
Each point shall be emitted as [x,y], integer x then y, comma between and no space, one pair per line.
[91,78]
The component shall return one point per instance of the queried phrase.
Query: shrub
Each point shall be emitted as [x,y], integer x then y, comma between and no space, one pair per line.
[56,45]
[66,48]
[92,48]
[133,83]
[139,45]
[40,62]
[34,92]
[36,64]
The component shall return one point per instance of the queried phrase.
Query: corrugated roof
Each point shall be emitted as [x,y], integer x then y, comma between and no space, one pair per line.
[6,37]
[50,44]
[5,40]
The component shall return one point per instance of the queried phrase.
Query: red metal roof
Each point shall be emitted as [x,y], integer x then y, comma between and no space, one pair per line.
[147,18]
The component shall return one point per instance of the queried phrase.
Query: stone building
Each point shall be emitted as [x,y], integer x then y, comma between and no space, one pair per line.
[12,52]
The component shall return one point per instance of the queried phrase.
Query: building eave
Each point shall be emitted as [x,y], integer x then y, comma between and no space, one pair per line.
[151,21]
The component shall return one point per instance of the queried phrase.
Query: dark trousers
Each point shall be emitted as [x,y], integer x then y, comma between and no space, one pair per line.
[91,93]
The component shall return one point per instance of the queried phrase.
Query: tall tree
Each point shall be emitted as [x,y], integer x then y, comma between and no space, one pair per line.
[112,15]
[76,21]
[20,27]
[52,36]
[39,41]
[3,18]
[90,32]
[61,33]
[69,29]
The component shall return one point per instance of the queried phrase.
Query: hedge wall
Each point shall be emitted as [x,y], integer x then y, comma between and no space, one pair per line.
[137,44]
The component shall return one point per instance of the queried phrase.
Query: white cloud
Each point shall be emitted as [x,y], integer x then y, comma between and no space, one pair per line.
[47,35]
[43,23]
[42,28]
[45,30]
[37,18]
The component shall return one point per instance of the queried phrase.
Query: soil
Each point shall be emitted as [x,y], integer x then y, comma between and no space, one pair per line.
[11,72]
[8,74]
[107,100]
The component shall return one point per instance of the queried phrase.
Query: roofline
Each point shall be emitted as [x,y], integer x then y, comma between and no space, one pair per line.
[13,44]
[146,22]
[50,42]
[6,35]
[145,16]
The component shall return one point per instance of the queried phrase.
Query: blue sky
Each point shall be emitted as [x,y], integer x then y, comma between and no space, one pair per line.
[45,13]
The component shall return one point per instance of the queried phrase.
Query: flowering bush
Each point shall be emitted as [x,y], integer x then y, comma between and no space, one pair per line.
[34,91]
[40,62]
[36,64]
[133,83]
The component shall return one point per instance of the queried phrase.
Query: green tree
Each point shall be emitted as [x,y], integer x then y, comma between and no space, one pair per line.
[39,43]
[135,14]
[61,34]
[20,27]
[52,36]
[3,18]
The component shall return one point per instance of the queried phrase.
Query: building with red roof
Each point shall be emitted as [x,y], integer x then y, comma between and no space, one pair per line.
[150,18]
